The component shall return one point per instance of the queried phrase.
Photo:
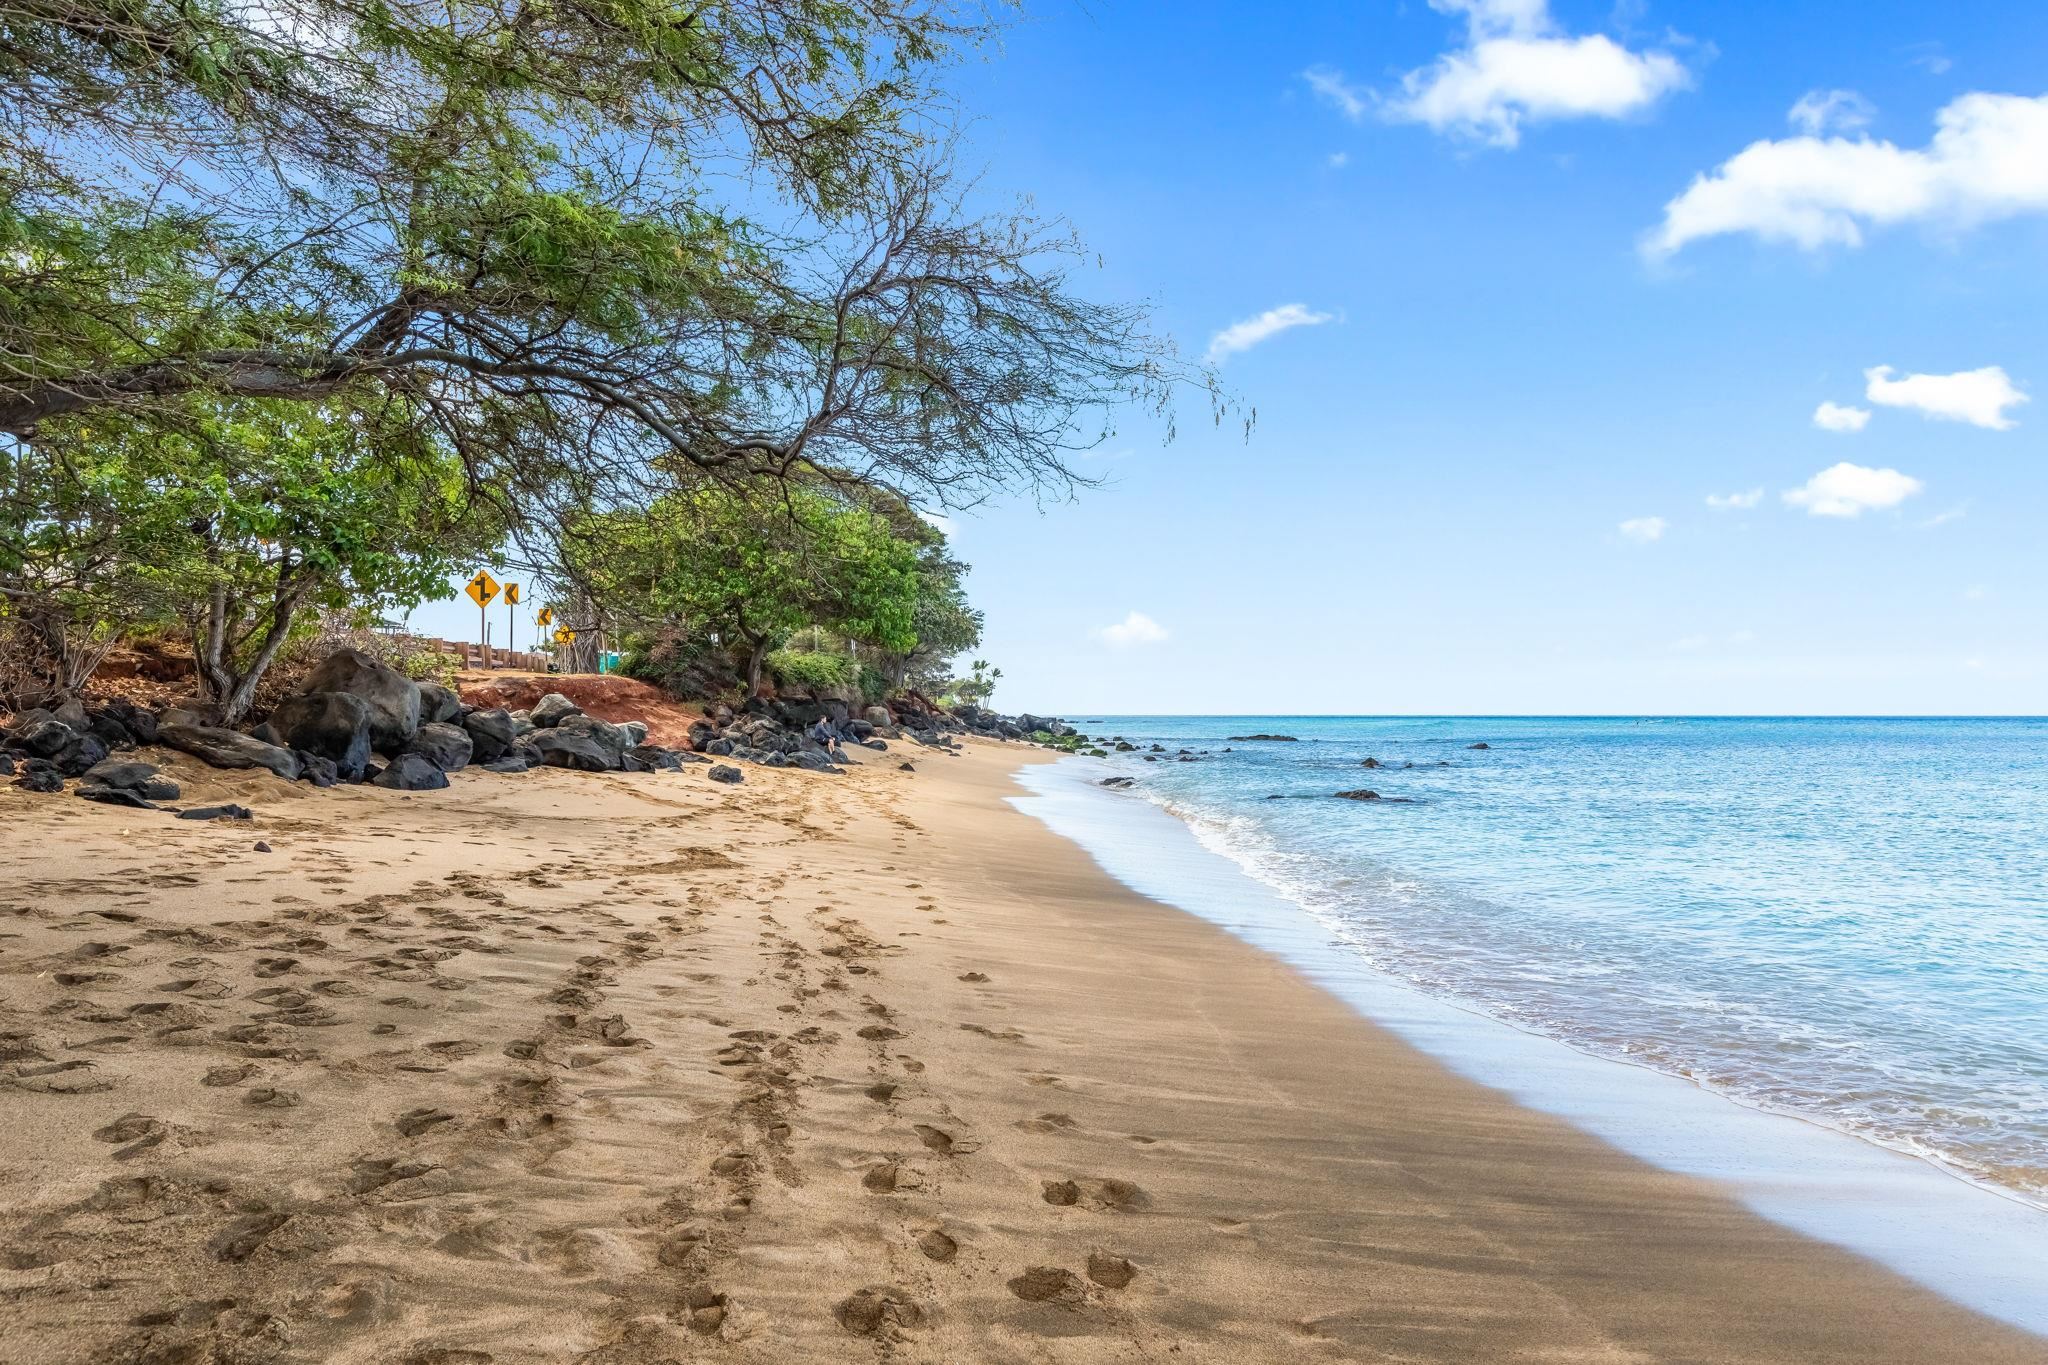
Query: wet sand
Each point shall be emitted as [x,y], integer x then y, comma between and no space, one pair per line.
[637,1069]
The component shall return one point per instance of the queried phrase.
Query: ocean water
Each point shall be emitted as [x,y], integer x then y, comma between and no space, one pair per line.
[1844,921]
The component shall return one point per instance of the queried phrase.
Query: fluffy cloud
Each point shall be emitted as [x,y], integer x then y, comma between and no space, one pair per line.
[1643,530]
[1979,397]
[1830,111]
[1732,502]
[1988,160]
[1518,67]
[1837,417]
[1135,629]
[1850,490]
[1242,336]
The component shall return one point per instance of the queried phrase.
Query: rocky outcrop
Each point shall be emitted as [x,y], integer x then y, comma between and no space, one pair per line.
[410,772]
[491,734]
[552,710]
[566,749]
[447,747]
[393,698]
[438,704]
[228,749]
[330,725]
[1270,739]
[144,779]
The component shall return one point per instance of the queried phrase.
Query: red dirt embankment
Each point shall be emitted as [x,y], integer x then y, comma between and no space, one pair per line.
[608,696]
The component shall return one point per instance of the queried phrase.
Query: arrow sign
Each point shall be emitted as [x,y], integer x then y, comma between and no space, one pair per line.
[482,589]
[511,594]
[546,617]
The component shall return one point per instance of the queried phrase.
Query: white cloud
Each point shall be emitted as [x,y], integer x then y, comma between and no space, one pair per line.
[1242,336]
[1988,160]
[1518,66]
[1339,160]
[1643,530]
[1830,111]
[1850,490]
[1135,629]
[1838,417]
[1731,502]
[1979,397]
[1956,513]
[1331,88]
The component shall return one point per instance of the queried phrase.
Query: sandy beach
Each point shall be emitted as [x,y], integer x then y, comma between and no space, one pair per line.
[629,1069]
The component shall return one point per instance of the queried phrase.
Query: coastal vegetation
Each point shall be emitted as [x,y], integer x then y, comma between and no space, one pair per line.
[685,311]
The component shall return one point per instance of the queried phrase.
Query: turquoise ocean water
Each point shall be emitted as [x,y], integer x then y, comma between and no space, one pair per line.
[1841,920]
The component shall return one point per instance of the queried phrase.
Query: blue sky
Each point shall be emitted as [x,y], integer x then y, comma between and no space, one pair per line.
[1528,347]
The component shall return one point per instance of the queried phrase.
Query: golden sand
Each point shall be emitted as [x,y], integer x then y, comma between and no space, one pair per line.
[621,1070]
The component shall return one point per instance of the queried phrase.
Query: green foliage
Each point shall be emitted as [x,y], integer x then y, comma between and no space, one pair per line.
[975,689]
[753,571]
[236,521]
[813,671]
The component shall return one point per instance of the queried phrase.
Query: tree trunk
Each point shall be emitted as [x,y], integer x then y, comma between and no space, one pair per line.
[756,657]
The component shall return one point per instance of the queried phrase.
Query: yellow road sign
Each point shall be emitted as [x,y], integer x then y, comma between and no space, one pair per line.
[547,615]
[482,589]
[511,594]
[564,636]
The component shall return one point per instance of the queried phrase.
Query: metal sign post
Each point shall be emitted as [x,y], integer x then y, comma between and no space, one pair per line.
[511,622]
[482,590]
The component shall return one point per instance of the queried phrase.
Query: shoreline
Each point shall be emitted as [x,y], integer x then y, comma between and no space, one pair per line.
[613,1070]
[1968,1239]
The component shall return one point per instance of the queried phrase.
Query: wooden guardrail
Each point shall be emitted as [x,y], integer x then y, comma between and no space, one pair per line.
[476,658]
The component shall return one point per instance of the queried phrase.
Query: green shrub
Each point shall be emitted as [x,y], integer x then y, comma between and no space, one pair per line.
[813,672]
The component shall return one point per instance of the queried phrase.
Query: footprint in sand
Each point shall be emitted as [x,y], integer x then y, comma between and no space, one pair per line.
[413,1122]
[941,1141]
[1110,1271]
[228,1075]
[938,1246]
[875,1308]
[974,976]
[1049,1284]
[1110,1194]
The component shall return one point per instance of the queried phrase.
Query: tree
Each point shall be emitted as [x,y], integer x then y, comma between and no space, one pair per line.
[257,511]
[83,547]
[527,224]
[753,571]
